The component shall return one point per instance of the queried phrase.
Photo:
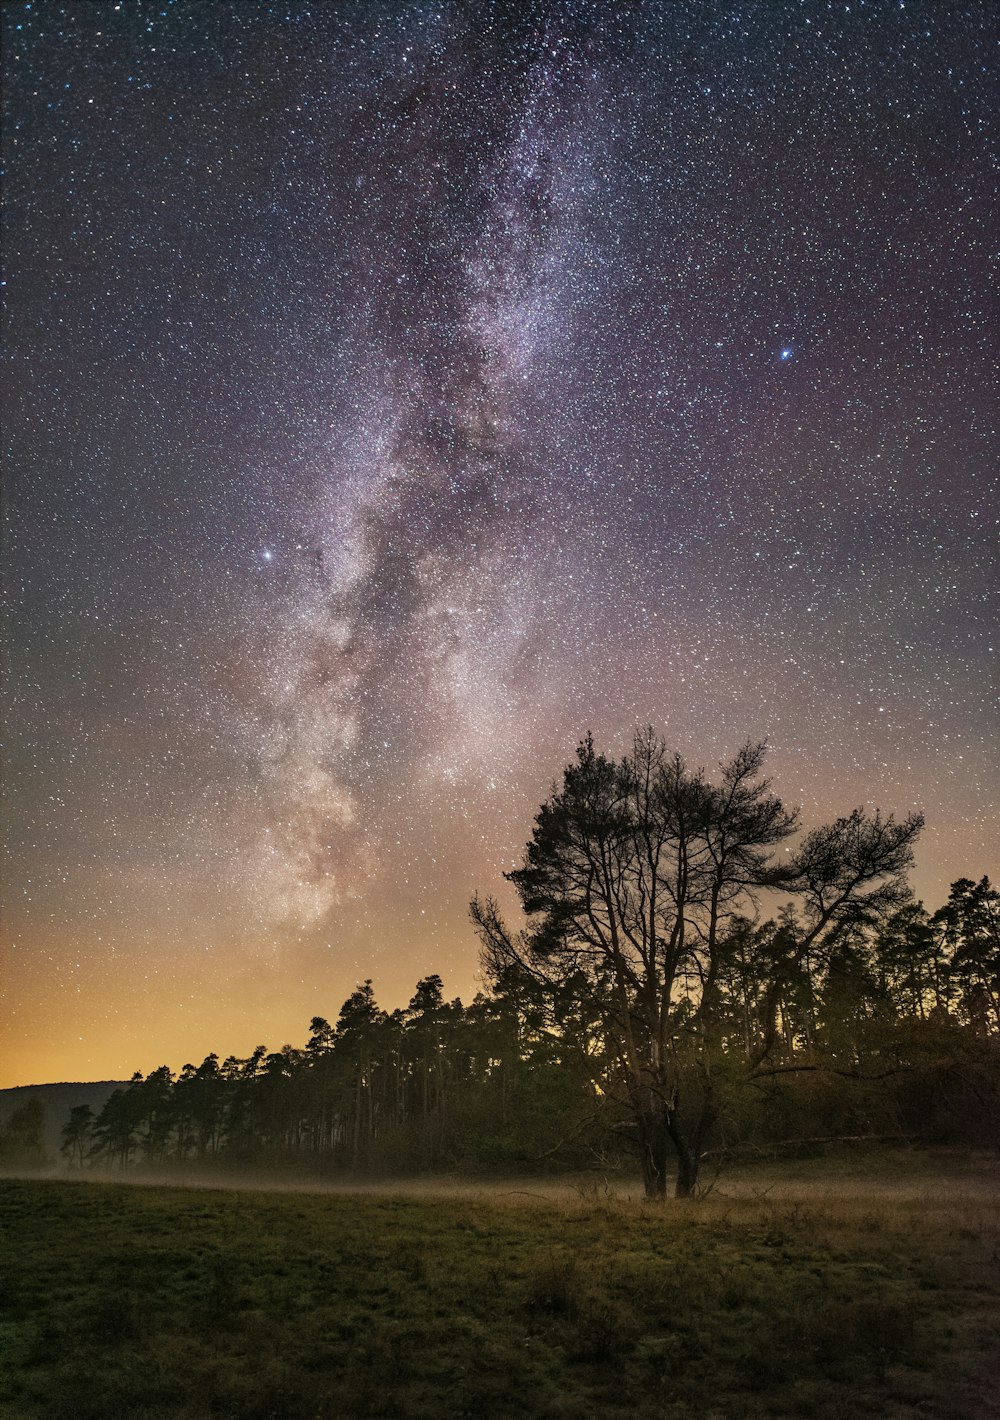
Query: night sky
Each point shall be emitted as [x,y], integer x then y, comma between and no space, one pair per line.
[395,393]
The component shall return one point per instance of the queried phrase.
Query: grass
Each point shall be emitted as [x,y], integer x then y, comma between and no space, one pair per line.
[788,1295]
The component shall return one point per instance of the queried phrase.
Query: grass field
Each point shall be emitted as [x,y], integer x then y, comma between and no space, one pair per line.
[824,1291]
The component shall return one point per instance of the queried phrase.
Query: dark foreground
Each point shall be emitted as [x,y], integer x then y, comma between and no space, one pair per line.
[825,1295]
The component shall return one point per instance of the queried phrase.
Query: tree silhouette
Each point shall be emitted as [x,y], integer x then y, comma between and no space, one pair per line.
[816,1023]
[76,1135]
[969,924]
[636,873]
[22,1138]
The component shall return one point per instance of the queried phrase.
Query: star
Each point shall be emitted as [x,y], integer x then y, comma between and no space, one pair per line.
[477,323]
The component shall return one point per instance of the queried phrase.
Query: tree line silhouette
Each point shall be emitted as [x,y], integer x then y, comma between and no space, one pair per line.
[506,1081]
[646,1009]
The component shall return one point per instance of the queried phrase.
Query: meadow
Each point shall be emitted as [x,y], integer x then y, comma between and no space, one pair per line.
[825,1289]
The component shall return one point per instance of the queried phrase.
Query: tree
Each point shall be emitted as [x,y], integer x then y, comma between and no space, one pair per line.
[76,1135]
[910,963]
[116,1127]
[154,1103]
[22,1138]
[853,1008]
[969,926]
[360,1026]
[635,875]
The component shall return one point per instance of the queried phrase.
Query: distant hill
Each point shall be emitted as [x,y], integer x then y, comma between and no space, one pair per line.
[58,1101]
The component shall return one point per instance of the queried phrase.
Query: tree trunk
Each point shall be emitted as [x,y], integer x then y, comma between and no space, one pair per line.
[689,1144]
[654,1146]
[687,1172]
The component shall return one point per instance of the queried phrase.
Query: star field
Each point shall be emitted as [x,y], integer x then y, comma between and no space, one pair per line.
[395,393]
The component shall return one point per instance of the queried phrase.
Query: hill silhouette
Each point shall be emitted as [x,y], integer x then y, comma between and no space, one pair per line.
[58,1099]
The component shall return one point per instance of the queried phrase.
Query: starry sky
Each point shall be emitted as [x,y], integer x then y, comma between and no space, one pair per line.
[396,392]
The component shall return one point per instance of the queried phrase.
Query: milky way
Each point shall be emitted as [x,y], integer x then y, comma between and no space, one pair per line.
[395,393]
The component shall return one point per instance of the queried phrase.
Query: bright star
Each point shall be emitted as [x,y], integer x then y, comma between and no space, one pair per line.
[787,353]
[267,555]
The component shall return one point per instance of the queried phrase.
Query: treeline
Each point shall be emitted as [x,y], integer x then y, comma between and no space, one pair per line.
[436,1084]
[886,1029]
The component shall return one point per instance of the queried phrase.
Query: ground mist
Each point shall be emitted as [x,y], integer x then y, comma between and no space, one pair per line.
[826,1289]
